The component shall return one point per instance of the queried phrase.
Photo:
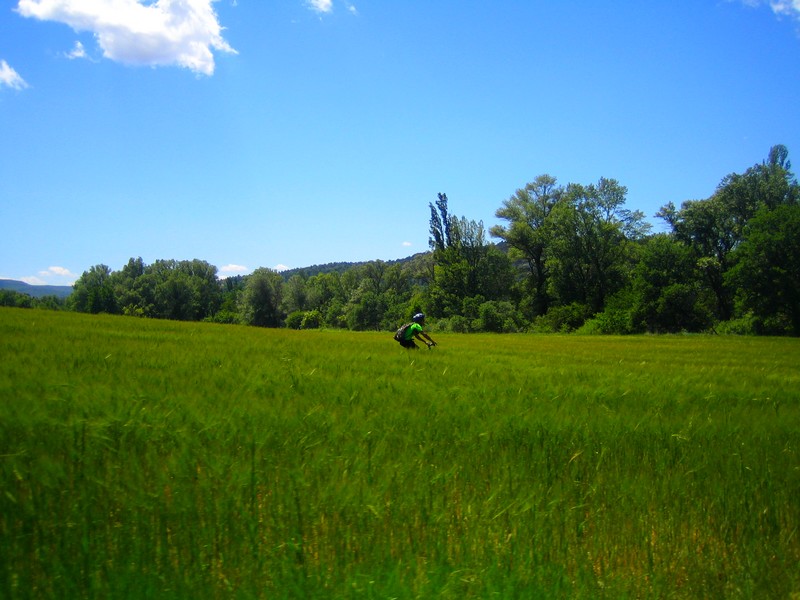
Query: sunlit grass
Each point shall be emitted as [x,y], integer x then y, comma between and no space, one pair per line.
[190,460]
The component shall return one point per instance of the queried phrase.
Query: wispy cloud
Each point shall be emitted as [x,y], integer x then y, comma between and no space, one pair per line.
[9,77]
[789,8]
[34,280]
[326,6]
[407,244]
[321,6]
[161,33]
[783,8]
[280,268]
[60,271]
[233,269]
[52,276]
[78,51]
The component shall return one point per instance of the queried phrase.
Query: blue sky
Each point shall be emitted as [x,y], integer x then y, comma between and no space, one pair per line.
[287,133]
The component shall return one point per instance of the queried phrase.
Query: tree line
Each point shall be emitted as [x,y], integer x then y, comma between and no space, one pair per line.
[566,257]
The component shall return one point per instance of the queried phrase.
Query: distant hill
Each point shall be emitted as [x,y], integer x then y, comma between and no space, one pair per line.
[35,291]
[340,267]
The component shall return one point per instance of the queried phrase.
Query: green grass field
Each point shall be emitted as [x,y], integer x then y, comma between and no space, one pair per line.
[156,459]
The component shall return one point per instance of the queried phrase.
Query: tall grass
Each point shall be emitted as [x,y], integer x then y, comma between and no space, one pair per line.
[171,460]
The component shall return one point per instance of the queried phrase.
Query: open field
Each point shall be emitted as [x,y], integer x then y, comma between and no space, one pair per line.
[181,460]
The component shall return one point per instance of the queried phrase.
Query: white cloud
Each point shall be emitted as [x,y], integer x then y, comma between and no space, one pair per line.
[786,8]
[78,51]
[233,269]
[54,276]
[10,77]
[326,6]
[160,33]
[407,244]
[60,271]
[33,281]
[51,276]
[280,268]
[321,6]
[789,8]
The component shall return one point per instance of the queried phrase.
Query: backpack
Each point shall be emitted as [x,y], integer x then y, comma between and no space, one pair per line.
[401,333]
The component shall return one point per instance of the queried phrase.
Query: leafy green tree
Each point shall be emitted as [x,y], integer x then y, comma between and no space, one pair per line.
[589,252]
[714,227]
[312,319]
[261,299]
[709,229]
[440,225]
[335,314]
[397,309]
[470,307]
[294,320]
[495,275]
[348,283]
[322,291]
[399,280]
[769,185]
[667,291]
[205,286]
[366,310]
[170,289]
[449,287]
[499,317]
[767,270]
[370,296]
[124,282]
[228,311]
[295,295]
[93,292]
[16,299]
[527,234]
[177,298]
[470,244]
[562,318]
[373,276]
[463,265]
[50,302]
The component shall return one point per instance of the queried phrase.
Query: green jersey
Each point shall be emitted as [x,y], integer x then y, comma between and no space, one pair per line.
[412,330]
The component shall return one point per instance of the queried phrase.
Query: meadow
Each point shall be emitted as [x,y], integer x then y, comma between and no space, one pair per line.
[143,458]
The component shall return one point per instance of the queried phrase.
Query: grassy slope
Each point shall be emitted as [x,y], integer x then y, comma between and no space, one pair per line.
[193,460]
